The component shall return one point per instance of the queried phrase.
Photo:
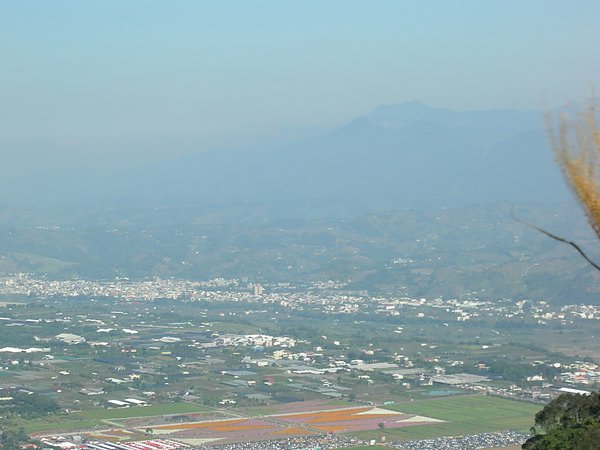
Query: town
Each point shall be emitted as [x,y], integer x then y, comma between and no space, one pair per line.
[160,356]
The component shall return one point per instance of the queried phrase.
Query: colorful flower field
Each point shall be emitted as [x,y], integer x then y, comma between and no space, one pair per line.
[354,419]
[290,425]
[224,431]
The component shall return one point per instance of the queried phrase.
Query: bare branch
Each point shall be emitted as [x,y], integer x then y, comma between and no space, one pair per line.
[556,238]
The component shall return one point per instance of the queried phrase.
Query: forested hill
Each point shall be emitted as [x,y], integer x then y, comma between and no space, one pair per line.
[447,252]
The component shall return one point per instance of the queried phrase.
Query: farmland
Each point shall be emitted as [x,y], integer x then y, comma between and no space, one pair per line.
[268,427]
[461,416]
[287,365]
[146,411]
[191,423]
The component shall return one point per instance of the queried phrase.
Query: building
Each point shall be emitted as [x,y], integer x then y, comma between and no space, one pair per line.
[258,289]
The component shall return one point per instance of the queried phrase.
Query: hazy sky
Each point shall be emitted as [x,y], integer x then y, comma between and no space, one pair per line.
[212,68]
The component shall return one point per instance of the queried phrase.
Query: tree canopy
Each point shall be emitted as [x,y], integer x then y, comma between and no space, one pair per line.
[569,422]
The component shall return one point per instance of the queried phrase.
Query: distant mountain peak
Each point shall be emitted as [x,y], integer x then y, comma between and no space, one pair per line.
[404,114]
[411,105]
[414,112]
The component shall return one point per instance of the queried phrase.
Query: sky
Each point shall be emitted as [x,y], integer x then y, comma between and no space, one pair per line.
[216,70]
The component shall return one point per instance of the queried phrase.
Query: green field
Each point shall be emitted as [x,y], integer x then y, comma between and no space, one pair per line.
[143,411]
[87,420]
[57,423]
[463,415]
[231,327]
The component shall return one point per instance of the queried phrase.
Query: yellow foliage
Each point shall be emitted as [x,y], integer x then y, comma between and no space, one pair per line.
[577,149]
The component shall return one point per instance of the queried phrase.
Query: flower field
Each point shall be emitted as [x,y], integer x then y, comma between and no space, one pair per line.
[353,419]
[231,430]
[341,420]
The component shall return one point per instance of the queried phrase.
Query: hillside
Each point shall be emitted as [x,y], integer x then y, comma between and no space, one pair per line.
[476,250]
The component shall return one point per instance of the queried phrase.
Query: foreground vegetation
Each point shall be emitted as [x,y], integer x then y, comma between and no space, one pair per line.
[569,422]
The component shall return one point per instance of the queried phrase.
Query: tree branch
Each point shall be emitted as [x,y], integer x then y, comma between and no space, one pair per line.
[556,238]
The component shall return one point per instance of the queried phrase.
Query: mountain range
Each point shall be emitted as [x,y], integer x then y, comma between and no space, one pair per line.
[399,156]
[407,199]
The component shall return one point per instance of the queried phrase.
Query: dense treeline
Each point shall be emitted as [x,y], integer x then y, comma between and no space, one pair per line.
[27,405]
[11,437]
[30,405]
[569,422]
[517,372]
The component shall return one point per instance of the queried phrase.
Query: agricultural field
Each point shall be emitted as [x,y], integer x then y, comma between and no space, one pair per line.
[186,425]
[145,411]
[196,424]
[205,380]
[460,416]
[58,423]
[98,418]
[308,423]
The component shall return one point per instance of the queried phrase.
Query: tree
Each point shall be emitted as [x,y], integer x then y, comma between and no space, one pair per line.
[32,405]
[572,422]
[577,150]
[12,437]
[576,146]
